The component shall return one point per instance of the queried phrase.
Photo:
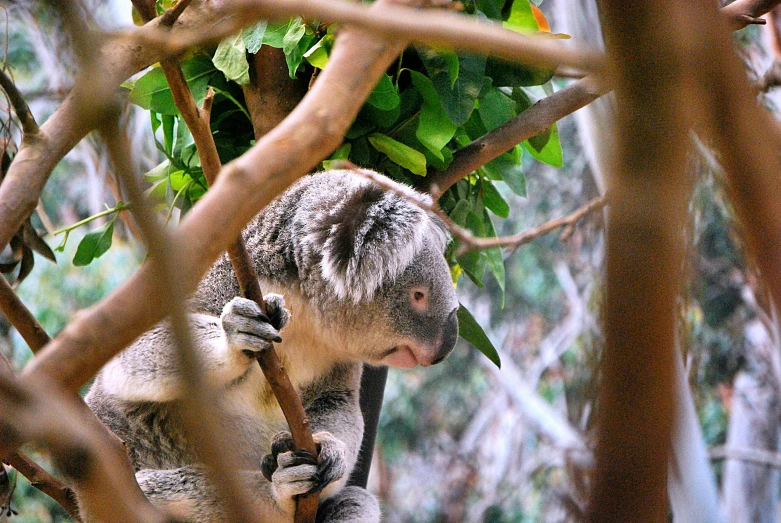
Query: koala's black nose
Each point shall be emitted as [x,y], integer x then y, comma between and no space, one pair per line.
[449,337]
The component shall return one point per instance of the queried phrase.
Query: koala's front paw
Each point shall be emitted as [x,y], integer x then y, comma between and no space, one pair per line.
[294,473]
[247,328]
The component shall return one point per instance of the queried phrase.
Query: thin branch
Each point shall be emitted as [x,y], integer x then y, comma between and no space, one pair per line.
[29,125]
[757,456]
[198,413]
[21,318]
[531,122]
[172,14]
[289,401]
[741,13]
[470,242]
[45,482]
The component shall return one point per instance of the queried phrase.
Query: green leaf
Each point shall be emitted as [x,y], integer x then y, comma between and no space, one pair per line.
[318,54]
[495,259]
[435,129]
[457,96]
[151,91]
[231,58]
[473,333]
[546,147]
[295,43]
[276,31]
[384,95]
[494,201]
[474,262]
[506,74]
[342,153]
[403,155]
[508,167]
[94,244]
[521,18]
[252,36]
[158,173]
[495,109]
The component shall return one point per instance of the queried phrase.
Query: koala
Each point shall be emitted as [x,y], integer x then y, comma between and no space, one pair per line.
[353,274]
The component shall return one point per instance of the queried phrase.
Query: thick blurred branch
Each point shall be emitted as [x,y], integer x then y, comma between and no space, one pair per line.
[644,258]
[112,449]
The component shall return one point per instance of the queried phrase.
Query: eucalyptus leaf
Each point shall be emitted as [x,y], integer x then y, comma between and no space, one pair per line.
[151,91]
[473,333]
[495,109]
[546,147]
[403,155]
[435,129]
[275,32]
[384,95]
[457,96]
[94,244]
[495,259]
[231,58]
[522,18]
[494,201]
[253,36]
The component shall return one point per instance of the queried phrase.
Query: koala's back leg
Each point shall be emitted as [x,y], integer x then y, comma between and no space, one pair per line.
[349,505]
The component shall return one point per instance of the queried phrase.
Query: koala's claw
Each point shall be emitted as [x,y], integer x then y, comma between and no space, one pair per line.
[248,328]
[295,473]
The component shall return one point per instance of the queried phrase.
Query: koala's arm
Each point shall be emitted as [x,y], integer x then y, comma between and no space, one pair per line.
[226,346]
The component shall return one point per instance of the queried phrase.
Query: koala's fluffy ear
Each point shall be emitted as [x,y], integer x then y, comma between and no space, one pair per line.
[372,235]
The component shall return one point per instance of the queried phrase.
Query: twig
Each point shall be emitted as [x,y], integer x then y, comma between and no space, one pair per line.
[29,125]
[470,242]
[172,14]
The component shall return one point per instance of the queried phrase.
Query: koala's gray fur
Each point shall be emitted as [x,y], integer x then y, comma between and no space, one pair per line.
[363,276]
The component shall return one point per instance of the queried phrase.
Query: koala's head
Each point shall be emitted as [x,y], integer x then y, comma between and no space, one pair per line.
[382,260]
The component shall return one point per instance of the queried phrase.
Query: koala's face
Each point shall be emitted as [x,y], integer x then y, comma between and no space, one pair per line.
[420,308]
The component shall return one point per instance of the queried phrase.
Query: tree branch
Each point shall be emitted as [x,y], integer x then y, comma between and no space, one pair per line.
[470,242]
[45,482]
[533,121]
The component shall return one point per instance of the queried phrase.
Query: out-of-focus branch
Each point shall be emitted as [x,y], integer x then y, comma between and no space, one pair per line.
[29,125]
[20,317]
[390,21]
[200,419]
[756,456]
[533,121]
[197,121]
[113,450]
[35,411]
[649,193]
[741,13]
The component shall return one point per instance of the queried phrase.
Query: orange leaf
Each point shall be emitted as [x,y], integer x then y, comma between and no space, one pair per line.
[541,20]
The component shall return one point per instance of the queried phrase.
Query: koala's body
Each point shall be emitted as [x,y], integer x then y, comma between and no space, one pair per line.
[363,276]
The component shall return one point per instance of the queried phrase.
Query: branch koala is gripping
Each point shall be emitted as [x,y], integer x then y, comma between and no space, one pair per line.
[364,279]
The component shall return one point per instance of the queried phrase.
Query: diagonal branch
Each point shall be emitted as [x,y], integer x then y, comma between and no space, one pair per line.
[533,121]
[741,13]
